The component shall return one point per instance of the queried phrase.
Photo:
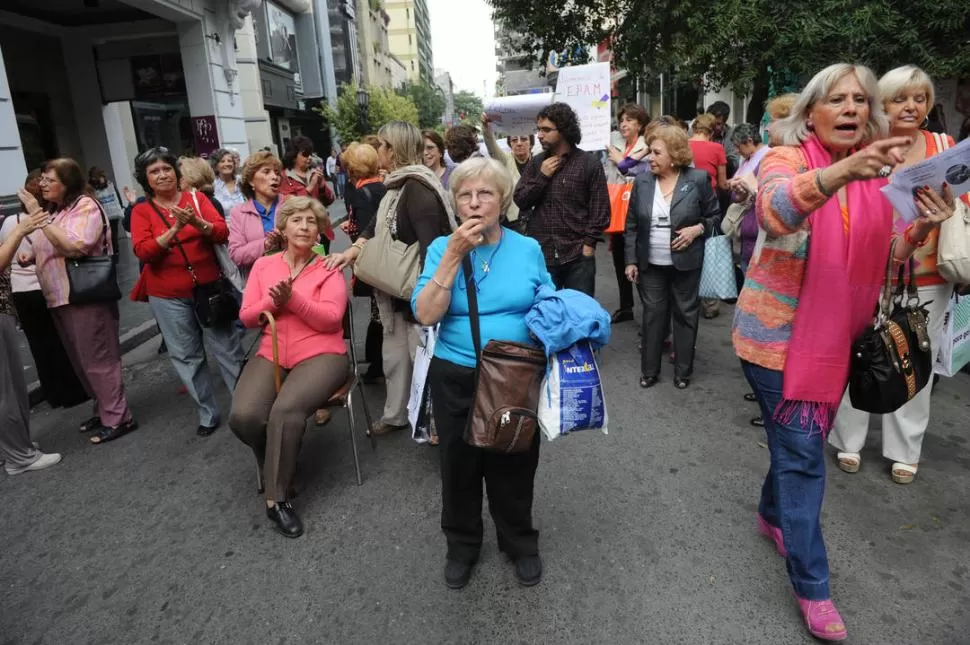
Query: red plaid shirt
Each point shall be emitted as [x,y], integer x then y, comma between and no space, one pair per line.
[571,208]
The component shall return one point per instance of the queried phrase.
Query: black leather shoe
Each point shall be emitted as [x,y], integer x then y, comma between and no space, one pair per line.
[205,431]
[681,383]
[648,381]
[457,574]
[285,519]
[622,315]
[528,569]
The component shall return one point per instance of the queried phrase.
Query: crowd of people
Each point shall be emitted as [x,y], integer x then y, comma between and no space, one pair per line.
[230,243]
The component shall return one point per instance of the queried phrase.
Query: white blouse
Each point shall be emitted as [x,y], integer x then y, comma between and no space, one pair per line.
[660,229]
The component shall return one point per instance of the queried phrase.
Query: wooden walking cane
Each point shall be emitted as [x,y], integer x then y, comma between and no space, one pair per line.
[276,447]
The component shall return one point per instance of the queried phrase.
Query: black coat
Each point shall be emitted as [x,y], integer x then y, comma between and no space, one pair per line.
[693,202]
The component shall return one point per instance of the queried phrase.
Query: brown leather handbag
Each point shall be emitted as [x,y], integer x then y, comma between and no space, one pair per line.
[507,380]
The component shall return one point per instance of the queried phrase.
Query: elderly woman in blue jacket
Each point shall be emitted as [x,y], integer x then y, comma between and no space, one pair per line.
[508,271]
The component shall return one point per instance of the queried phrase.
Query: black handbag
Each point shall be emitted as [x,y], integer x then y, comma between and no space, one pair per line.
[214,302]
[93,278]
[891,360]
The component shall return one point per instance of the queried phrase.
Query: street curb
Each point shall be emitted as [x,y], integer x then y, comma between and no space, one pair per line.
[128,341]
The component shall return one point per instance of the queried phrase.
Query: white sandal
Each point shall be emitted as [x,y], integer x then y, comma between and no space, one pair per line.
[903,473]
[849,461]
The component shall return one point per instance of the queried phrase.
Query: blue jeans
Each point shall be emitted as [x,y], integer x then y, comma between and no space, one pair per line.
[340,184]
[184,335]
[791,497]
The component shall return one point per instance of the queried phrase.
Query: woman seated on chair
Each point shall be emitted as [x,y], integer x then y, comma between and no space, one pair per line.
[308,302]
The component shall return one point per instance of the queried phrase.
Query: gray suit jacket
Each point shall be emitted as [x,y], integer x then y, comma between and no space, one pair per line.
[693,202]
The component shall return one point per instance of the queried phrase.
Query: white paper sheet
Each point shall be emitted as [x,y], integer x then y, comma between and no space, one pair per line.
[951,166]
[586,88]
[515,116]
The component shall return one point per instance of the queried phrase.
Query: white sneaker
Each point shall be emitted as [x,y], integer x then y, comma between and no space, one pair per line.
[46,461]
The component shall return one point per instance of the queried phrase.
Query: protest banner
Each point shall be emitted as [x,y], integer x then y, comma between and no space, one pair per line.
[586,89]
[515,116]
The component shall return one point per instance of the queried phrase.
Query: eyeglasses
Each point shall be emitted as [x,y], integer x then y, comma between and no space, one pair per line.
[48,180]
[546,130]
[484,197]
[518,139]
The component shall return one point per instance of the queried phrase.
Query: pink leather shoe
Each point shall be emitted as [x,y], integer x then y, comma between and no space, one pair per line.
[773,533]
[823,619]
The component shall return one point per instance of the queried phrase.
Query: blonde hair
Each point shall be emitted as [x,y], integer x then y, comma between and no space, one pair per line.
[908,77]
[704,124]
[793,129]
[293,205]
[489,170]
[360,160]
[406,143]
[253,163]
[197,173]
[675,139]
[780,107]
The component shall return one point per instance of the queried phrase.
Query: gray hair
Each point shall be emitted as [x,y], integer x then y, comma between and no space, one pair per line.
[793,129]
[489,170]
[907,77]
[217,156]
[406,142]
[745,131]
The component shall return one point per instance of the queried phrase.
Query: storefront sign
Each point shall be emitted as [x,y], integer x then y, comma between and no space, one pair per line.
[204,135]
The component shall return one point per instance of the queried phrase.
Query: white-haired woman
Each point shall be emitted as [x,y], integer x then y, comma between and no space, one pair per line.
[810,290]
[417,211]
[907,95]
[508,270]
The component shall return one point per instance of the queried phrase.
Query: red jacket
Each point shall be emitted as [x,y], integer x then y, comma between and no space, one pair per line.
[165,274]
[291,185]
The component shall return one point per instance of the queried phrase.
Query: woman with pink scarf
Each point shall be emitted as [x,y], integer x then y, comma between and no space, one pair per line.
[811,288]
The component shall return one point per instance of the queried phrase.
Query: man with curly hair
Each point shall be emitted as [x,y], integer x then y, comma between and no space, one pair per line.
[566,188]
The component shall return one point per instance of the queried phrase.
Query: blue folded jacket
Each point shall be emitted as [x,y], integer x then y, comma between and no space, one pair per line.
[560,319]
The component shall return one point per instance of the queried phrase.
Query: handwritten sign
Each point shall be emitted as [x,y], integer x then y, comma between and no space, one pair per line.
[586,89]
[515,116]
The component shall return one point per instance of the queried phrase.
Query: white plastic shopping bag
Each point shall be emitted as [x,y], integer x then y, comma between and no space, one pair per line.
[419,404]
[572,397]
[954,350]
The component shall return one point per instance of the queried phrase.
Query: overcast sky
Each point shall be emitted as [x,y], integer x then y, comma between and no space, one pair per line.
[463,41]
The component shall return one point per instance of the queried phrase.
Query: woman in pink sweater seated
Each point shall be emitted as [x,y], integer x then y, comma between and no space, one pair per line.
[308,301]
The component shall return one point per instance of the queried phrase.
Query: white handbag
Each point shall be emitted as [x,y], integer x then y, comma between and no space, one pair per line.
[953,247]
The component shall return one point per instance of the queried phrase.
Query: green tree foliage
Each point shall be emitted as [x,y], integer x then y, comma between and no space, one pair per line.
[733,42]
[384,106]
[429,100]
[468,107]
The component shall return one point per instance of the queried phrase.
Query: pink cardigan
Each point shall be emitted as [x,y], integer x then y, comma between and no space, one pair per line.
[246,236]
[310,323]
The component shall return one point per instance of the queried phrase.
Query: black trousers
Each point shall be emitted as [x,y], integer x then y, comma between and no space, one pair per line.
[509,479]
[113,226]
[60,383]
[619,264]
[665,290]
[579,275]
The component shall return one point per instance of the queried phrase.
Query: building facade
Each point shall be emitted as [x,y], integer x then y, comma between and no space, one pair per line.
[518,73]
[409,35]
[100,81]
[376,61]
[442,79]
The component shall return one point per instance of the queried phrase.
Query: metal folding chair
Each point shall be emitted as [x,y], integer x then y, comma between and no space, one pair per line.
[342,398]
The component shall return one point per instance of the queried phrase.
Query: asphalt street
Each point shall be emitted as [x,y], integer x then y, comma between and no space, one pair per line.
[647,535]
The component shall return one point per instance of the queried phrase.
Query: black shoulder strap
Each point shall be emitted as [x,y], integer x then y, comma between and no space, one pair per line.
[104,221]
[175,240]
[471,290]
